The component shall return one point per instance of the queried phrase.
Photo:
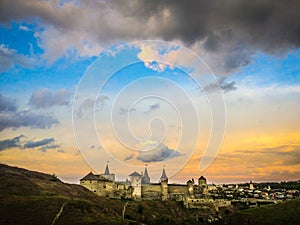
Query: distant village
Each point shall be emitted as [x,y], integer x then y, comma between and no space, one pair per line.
[194,194]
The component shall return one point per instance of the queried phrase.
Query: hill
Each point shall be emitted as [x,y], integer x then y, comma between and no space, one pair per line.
[29,197]
[285,213]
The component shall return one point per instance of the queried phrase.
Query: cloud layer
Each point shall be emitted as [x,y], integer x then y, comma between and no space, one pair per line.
[222,84]
[10,117]
[46,98]
[10,57]
[22,142]
[7,104]
[234,30]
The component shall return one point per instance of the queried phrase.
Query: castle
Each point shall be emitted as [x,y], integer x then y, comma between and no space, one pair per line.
[139,186]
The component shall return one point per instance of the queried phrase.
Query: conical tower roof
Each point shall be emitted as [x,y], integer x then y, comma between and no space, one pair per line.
[106,170]
[163,176]
[146,178]
[146,173]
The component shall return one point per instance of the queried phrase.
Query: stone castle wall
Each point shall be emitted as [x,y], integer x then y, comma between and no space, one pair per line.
[151,191]
[177,189]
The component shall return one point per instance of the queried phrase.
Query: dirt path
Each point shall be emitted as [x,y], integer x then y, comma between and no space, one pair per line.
[58,214]
[124,209]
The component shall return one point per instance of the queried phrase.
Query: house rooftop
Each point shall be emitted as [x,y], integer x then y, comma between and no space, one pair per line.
[90,176]
[202,178]
[135,174]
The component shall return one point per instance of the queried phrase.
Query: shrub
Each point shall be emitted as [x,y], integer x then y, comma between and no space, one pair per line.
[54,178]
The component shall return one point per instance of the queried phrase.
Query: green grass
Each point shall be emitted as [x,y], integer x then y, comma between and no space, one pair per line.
[285,213]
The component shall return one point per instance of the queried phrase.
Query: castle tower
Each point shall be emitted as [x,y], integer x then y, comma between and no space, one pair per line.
[202,181]
[146,178]
[190,187]
[107,174]
[135,180]
[164,186]
[251,185]
[202,185]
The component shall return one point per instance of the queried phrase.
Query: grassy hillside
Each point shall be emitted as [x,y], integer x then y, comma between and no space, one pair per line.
[286,213]
[29,197]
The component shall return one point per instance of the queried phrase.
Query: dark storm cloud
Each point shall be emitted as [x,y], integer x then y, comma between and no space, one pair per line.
[235,29]
[11,143]
[46,98]
[270,24]
[158,154]
[7,104]
[26,119]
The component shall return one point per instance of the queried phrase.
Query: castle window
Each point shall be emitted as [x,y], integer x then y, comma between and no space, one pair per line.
[94,190]
[104,186]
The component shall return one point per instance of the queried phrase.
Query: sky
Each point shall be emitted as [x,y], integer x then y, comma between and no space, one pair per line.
[199,88]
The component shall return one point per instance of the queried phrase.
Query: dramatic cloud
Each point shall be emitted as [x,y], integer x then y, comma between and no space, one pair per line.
[158,154]
[233,29]
[11,143]
[46,98]
[7,104]
[34,144]
[21,143]
[10,57]
[26,119]
[222,85]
